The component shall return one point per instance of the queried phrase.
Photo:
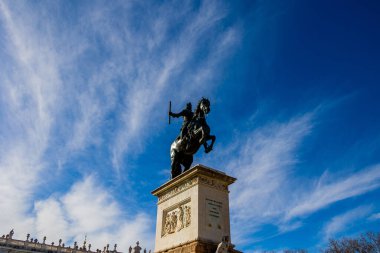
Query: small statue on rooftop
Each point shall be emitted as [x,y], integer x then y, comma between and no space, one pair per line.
[11,233]
[84,243]
[137,248]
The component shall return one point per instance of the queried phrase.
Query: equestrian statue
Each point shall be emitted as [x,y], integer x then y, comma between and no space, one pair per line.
[194,133]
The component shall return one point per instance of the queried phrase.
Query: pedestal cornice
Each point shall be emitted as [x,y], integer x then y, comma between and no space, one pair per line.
[197,174]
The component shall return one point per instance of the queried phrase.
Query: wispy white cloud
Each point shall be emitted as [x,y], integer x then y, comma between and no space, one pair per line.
[331,191]
[265,160]
[267,190]
[18,177]
[375,216]
[88,208]
[29,99]
[160,67]
[48,212]
[34,105]
[263,163]
[344,221]
[85,200]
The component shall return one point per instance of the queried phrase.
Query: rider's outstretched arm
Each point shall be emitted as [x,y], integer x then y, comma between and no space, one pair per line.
[177,115]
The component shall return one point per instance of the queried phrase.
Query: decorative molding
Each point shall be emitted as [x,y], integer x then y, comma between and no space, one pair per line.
[196,171]
[216,184]
[213,183]
[186,185]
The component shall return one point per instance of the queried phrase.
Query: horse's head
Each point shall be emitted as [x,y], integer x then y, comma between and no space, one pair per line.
[204,105]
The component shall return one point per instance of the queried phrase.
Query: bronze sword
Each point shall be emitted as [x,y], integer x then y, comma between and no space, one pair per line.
[170,109]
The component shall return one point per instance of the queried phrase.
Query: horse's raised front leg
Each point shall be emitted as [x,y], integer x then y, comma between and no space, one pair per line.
[208,148]
[203,138]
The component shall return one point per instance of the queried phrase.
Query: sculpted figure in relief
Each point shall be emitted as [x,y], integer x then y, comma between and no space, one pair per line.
[180,218]
[173,222]
[187,216]
[170,223]
[167,224]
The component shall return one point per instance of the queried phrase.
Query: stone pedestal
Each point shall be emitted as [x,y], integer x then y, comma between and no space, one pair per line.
[193,211]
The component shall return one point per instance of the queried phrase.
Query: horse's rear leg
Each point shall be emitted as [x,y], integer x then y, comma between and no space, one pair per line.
[187,161]
[176,170]
[175,165]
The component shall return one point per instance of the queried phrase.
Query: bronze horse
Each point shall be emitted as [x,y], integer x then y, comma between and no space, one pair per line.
[197,134]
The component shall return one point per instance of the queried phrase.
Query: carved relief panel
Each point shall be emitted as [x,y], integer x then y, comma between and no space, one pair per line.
[176,218]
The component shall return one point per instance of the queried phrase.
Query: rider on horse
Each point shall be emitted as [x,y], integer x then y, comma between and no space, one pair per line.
[194,133]
[187,115]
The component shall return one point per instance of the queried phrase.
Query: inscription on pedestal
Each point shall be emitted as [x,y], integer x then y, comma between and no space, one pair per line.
[213,213]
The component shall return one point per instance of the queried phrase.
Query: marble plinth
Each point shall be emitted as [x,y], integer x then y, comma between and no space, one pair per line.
[193,211]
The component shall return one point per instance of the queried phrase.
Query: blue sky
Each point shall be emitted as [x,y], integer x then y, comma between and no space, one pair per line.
[84,138]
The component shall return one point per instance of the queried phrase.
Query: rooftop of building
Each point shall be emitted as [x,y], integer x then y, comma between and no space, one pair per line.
[32,244]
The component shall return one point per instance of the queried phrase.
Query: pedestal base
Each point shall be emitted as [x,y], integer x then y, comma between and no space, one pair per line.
[196,246]
[193,211]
